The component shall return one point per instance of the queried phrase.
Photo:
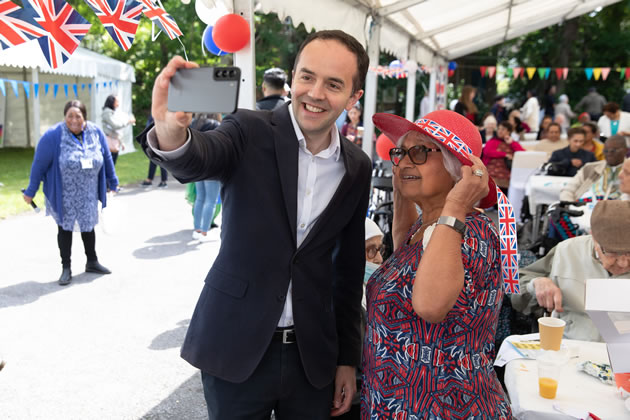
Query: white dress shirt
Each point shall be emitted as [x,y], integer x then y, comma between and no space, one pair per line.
[319,177]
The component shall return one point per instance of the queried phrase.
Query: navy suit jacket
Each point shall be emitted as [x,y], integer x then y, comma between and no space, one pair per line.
[255,155]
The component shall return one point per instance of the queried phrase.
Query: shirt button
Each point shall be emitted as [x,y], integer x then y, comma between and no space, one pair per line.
[302,226]
[281,298]
[308,192]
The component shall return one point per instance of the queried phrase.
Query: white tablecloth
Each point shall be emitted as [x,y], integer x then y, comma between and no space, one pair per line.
[543,189]
[576,389]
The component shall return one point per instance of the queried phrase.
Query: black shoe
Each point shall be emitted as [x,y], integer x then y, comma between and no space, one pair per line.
[214,226]
[96,267]
[162,185]
[66,277]
[146,183]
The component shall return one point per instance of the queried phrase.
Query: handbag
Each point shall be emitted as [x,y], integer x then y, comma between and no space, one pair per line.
[113,144]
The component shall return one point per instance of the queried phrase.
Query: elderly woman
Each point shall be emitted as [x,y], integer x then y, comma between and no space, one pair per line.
[489,129]
[433,306]
[113,123]
[73,160]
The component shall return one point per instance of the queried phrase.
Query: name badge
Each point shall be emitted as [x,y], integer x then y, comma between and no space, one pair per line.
[86,163]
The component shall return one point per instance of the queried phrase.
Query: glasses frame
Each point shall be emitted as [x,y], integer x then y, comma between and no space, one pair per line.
[407,152]
[371,251]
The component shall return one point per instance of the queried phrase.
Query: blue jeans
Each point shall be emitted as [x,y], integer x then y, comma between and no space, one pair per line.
[207,194]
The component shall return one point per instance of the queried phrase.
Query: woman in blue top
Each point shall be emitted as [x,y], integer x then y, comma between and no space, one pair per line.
[74,161]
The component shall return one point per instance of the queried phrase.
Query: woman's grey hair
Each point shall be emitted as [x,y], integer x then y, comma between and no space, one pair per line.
[452,165]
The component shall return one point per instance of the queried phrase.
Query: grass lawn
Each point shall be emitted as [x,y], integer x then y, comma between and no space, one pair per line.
[15,167]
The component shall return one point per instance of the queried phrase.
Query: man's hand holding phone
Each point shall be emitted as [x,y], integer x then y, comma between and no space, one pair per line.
[170,126]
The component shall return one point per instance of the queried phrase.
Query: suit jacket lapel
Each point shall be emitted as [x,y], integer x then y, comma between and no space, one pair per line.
[349,160]
[286,146]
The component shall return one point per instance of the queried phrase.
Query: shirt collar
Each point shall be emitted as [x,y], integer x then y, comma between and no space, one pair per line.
[334,149]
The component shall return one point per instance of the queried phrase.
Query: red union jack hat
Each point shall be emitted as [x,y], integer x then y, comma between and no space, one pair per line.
[462,138]
[453,130]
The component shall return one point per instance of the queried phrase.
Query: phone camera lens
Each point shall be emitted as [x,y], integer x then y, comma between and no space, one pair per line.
[224,73]
[217,74]
[232,73]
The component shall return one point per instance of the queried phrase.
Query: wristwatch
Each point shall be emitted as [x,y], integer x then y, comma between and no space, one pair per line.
[457,225]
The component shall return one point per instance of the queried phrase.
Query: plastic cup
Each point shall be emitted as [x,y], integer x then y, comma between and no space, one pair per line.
[551,330]
[550,365]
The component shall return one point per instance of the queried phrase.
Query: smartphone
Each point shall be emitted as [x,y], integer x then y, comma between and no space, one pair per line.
[204,90]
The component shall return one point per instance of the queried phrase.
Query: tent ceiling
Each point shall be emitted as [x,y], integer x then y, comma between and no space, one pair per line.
[424,28]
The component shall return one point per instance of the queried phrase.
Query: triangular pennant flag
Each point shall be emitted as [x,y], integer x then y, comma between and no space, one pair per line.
[46,89]
[627,73]
[541,73]
[36,89]
[622,72]
[517,72]
[483,69]
[559,73]
[565,72]
[90,87]
[597,71]
[82,86]
[120,19]
[589,72]
[14,86]
[547,71]
[158,16]
[96,87]
[104,84]
[110,85]
[64,26]
[491,71]
[509,72]
[65,89]
[74,88]
[27,89]
[605,72]
[2,88]
[55,90]
[116,83]
[530,72]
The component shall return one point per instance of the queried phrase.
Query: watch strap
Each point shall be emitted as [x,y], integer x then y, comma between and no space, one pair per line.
[453,223]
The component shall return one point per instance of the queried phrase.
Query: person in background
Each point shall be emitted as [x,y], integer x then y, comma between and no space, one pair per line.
[153,167]
[425,104]
[553,141]
[598,180]
[489,129]
[573,157]
[274,80]
[557,282]
[592,103]
[465,105]
[519,128]
[549,101]
[625,102]
[531,110]
[74,162]
[207,191]
[614,121]
[113,123]
[591,140]
[624,180]
[498,109]
[498,154]
[428,304]
[563,108]
[352,128]
[544,125]
[561,120]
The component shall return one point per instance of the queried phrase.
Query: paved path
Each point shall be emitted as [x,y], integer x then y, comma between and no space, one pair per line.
[105,347]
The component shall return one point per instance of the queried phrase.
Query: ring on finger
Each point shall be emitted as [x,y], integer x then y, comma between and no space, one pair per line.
[478,172]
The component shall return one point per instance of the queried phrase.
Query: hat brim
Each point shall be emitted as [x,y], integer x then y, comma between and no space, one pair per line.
[395,127]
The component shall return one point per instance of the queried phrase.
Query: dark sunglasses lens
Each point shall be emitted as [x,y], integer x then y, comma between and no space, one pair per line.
[396,155]
[418,155]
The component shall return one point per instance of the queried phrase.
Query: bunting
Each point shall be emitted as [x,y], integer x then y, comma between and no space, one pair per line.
[120,18]
[29,87]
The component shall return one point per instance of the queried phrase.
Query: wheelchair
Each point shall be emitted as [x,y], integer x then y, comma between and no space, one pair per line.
[381,207]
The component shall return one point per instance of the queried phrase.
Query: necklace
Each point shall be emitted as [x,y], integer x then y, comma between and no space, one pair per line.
[423,228]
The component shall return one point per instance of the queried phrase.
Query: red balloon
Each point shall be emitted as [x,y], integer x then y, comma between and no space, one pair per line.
[383,145]
[231,32]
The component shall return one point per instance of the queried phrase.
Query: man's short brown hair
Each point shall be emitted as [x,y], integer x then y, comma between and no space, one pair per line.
[611,107]
[574,131]
[350,43]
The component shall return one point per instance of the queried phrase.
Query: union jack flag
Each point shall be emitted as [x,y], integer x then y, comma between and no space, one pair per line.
[159,16]
[509,246]
[16,25]
[65,29]
[445,136]
[120,18]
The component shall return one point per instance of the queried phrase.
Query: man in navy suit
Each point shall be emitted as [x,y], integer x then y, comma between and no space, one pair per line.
[277,324]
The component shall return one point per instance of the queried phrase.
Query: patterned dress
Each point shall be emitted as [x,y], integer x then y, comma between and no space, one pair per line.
[417,370]
[80,184]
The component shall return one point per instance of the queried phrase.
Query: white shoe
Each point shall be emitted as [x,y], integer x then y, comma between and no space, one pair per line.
[196,235]
[207,237]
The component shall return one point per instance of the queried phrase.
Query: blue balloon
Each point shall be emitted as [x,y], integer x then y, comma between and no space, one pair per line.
[452,65]
[395,65]
[208,42]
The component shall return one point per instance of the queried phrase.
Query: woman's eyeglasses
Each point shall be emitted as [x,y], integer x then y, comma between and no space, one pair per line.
[371,251]
[417,154]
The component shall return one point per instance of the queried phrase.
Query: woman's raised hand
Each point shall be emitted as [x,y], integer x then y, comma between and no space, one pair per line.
[472,187]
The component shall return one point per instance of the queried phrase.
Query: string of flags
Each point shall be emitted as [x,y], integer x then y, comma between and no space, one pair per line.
[59,28]
[560,72]
[35,88]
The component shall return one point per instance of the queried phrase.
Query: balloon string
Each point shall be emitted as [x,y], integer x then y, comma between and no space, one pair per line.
[182,44]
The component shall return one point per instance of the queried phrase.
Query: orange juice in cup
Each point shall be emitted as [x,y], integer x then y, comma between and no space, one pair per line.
[549,368]
[547,387]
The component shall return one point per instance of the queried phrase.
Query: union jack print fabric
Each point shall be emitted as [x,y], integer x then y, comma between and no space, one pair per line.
[507,222]
[16,25]
[417,370]
[159,16]
[120,18]
[64,26]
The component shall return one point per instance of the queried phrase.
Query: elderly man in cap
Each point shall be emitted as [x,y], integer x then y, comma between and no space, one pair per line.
[273,84]
[557,281]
